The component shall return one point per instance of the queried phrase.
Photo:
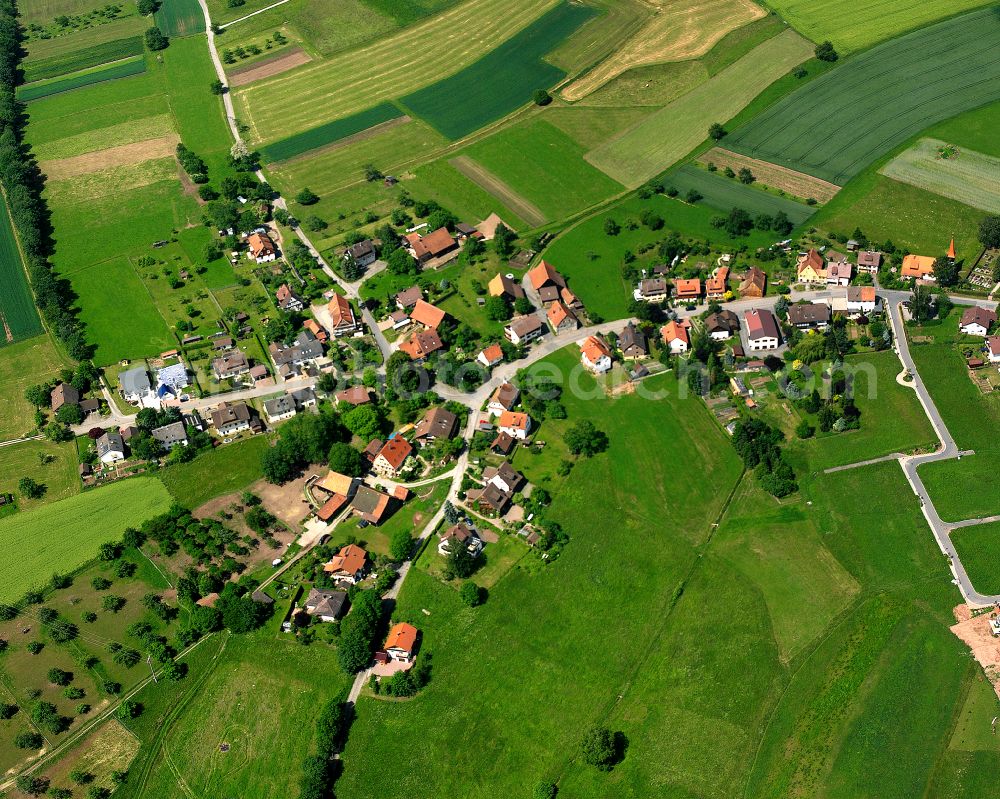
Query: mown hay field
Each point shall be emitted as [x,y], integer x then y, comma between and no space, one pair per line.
[390,67]
[969,177]
[725,193]
[851,25]
[330,133]
[681,30]
[64,535]
[888,94]
[663,138]
[798,184]
[125,68]
[500,81]
[83,58]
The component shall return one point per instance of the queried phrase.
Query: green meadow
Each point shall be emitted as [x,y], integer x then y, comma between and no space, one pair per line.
[330,133]
[726,193]
[18,315]
[978,547]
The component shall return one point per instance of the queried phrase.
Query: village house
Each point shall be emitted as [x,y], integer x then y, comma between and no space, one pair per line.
[861,300]
[305,350]
[502,444]
[135,386]
[392,458]
[110,448]
[754,284]
[435,244]
[838,273]
[762,330]
[361,254]
[437,423]
[977,321]
[288,300]
[65,394]
[316,329]
[407,298]
[675,337]
[595,355]
[717,285]
[869,262]
[460,535]
[171,435]
[371,505]
[279,408]
[174,378]
[811,268]
[342,316]
[504,286]
[722,325]
[687,289]
[834,258]
[401,643]
[326,605]
[231,417]
[421,344]
[355,395]
[349,565]
[561,318]
[515,424]
[490,356]
[430,316]
[232,364]
[632,343]
[304,398]
[524,329]
[993,348]
[258,373]
[504,398]
[547,282]
[399,319]
[809,315]
[652,289]
[261,248]
[505,477]
[919,267]
[223,343]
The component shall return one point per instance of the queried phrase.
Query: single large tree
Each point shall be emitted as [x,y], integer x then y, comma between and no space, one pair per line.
[584,438]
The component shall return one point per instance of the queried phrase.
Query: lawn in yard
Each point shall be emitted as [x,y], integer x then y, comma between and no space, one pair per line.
[65,534]
[22,365]
[228,468]
[53,465]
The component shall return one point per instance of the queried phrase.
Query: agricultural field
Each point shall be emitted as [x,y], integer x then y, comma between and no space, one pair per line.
[502,80]
[591,127]
[391,67]
[82,40]
[521,154]
[679,30]
[725,193]
[66,534]
[53,465]
[854,27]
[180,18]
[126,68]
[666,136]
[894,91]
[82,58]
[442,182]
[796,184]
[331,133]
[19,318]
[223,470]
[977,546]
[964,175]
[22,365]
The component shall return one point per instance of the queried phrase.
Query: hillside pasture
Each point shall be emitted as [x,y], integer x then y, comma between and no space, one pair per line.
[330,133]
[666,136]
[969,177]
[679,30]
[797,184]
[64,535]
[893,91]
[83,58]
[390,67]
[726,193]
[502,80]
[18,315]
[854,26]
[126,68]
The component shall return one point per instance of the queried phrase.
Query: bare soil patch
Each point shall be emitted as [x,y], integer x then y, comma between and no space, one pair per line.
[974,631]
[269,67]
[678,31]
[288,502]
[788,180]
[525,209]
[123,155]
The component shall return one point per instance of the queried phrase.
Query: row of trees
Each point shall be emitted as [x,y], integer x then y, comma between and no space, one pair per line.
[758,444]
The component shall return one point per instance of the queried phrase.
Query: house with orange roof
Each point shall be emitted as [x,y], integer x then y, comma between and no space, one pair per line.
[595,354]
[417,247]
[401,643]
[561,318]
[951,251]
[546,281]
[490,356]
[687,288]
[316,329]
[515,424]
[675,336]
[392,457]
[371,505]
[811,268]
[261,248]
[421,344]
[506,287]
[287,299]
[439,242]
[717,285]
[348,565]
[754,283]
[920,267]
[342,316]
[430,316]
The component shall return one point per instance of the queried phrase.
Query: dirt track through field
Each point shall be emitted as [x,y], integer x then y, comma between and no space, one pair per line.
[680,30]
[123,155]
[269,67]
[528,211]
[798,184]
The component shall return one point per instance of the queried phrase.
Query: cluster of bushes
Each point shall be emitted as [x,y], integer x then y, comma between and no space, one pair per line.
[22,182]
[193,165]
[304,439]
[358,631]
[207,541]
[758,444]
[406,683]
[68,23]
[738,222]
[237,53]
[318,772]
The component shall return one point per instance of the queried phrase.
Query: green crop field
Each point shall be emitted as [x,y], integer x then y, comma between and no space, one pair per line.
[502,80]
[979,549]
[83,58]
[18,315]
[330,133]
[968,177]
[66,534]
[180,18]
[390,67]
[855,26]
[725,193]
[120,69]
[229,468]
[894,91]
[545,167]
[666,136]
[64,46]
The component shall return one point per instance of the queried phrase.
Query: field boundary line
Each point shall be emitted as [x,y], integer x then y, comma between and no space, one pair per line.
[499,189]
[253,14]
